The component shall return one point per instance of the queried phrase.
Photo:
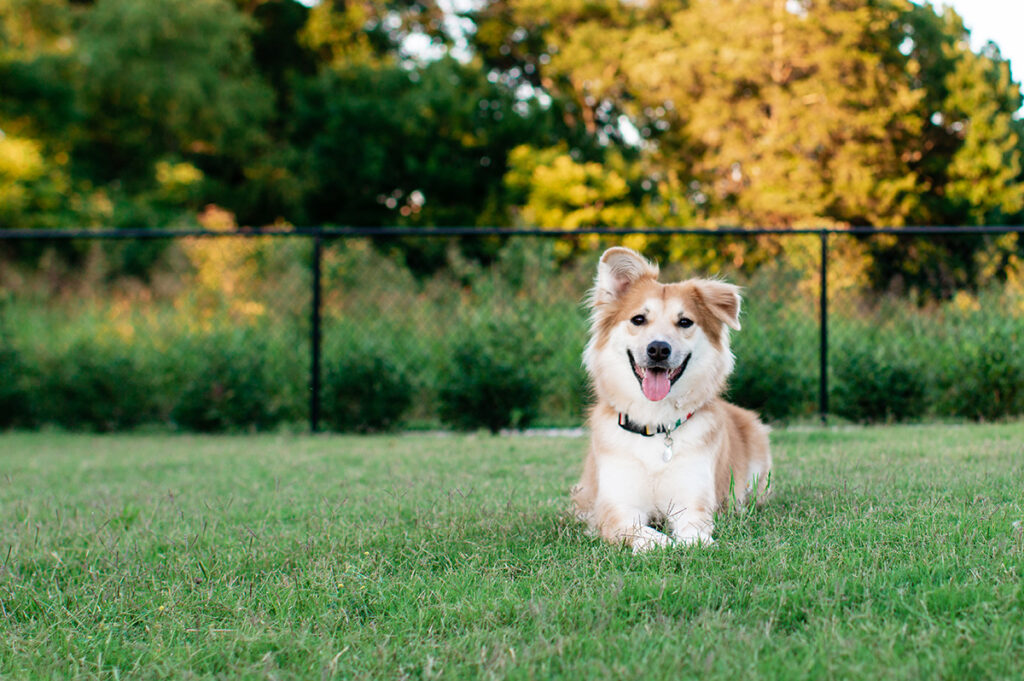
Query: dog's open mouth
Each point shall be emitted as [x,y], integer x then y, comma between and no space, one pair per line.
[656,381]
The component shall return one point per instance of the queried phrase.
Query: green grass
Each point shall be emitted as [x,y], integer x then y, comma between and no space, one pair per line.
[886,552]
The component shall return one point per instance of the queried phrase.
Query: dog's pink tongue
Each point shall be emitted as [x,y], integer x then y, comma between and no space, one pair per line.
[656,385]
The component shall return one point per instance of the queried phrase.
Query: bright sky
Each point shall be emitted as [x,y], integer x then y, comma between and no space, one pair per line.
[1001,21]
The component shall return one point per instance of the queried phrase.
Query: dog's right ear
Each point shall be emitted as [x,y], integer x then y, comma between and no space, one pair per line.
[619,269]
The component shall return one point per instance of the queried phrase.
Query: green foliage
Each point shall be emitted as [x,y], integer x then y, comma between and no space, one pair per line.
[988,381]
[103,94]
[388,145]
[14,396]
[984,173]
[774,375]
[472,346]
[343,32]
[492,381]
[230,381]
[777,114]
[365,386]
[968,157]
[768,114]
[564,114]
[140,109]
[969,110]
[277,47]
[556,191]
[981,373]
[877,378]
[32,184]
[94,384]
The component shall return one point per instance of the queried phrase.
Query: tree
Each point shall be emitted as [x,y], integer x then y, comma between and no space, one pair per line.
[776,113]
[967,158]
[343,33]
[168,79]
[786,113]
[279,54]
[984,173]
[387,145]
[36,112]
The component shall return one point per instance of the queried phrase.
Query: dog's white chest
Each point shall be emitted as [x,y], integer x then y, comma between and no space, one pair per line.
[651,474]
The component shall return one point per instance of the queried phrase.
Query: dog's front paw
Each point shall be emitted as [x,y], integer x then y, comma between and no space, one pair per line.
[648,538]
[695,539]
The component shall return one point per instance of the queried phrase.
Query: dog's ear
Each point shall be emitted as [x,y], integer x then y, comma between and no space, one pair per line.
[619,269]
[723,301]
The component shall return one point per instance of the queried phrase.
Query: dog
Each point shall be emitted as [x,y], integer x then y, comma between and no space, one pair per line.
[665,448]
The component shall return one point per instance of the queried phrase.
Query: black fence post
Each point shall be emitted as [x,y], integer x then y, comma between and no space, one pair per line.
[823,333]
[314,340]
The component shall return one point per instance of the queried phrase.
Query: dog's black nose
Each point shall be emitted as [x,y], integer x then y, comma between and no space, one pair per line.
[658,351]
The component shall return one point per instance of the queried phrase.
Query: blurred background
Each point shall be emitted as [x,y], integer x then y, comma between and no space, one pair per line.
[568,115]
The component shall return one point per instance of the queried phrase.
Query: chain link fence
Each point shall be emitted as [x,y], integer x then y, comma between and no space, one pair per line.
[370,330]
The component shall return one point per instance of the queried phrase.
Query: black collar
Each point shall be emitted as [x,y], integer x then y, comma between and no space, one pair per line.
[647,431]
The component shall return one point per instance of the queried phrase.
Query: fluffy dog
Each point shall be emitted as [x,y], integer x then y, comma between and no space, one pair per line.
[664,447]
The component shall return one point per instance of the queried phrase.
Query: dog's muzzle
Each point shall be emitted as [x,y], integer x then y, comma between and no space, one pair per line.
[656,377]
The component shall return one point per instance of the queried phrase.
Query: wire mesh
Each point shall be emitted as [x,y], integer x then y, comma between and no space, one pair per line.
[203,334]
[215,332]
[925,327]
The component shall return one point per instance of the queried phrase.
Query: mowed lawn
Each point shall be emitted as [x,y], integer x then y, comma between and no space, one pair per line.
[888,552]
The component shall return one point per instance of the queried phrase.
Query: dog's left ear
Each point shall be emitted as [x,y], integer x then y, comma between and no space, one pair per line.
[723,301]
[619,269]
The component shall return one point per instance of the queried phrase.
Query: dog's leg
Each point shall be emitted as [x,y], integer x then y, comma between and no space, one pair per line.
[763,485]
[758,490]
[584,493]
[647,538]
[691,526]
[629,527]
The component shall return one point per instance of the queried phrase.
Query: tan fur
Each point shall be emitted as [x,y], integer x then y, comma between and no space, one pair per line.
[720,456]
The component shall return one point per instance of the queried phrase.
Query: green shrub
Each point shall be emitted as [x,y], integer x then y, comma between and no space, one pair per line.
[493,381]
[776,365]
[771,381]
[364,389]
[95,385]
[560,333]
[229,381]
[878,377]
[14,398]
[981,375]
[567,391]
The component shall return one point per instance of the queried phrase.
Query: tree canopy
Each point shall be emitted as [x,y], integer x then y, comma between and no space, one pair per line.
[564,113]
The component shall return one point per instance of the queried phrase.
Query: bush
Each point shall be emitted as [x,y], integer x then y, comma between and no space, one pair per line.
[14,398]
[364,390]
[231,382]
[775,373]
[94,385]
[878,379]
[492,382]
[770,380]
[982,373]
[560,335]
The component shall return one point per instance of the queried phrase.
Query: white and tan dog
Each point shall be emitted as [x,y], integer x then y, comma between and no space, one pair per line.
[665,448]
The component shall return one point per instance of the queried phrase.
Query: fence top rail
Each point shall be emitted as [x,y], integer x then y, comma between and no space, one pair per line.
[401,232]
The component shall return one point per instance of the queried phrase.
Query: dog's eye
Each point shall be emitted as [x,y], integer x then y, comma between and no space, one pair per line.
[639,320]
[685,322]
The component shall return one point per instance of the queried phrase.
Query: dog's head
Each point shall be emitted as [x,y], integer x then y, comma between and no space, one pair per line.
[651,340]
